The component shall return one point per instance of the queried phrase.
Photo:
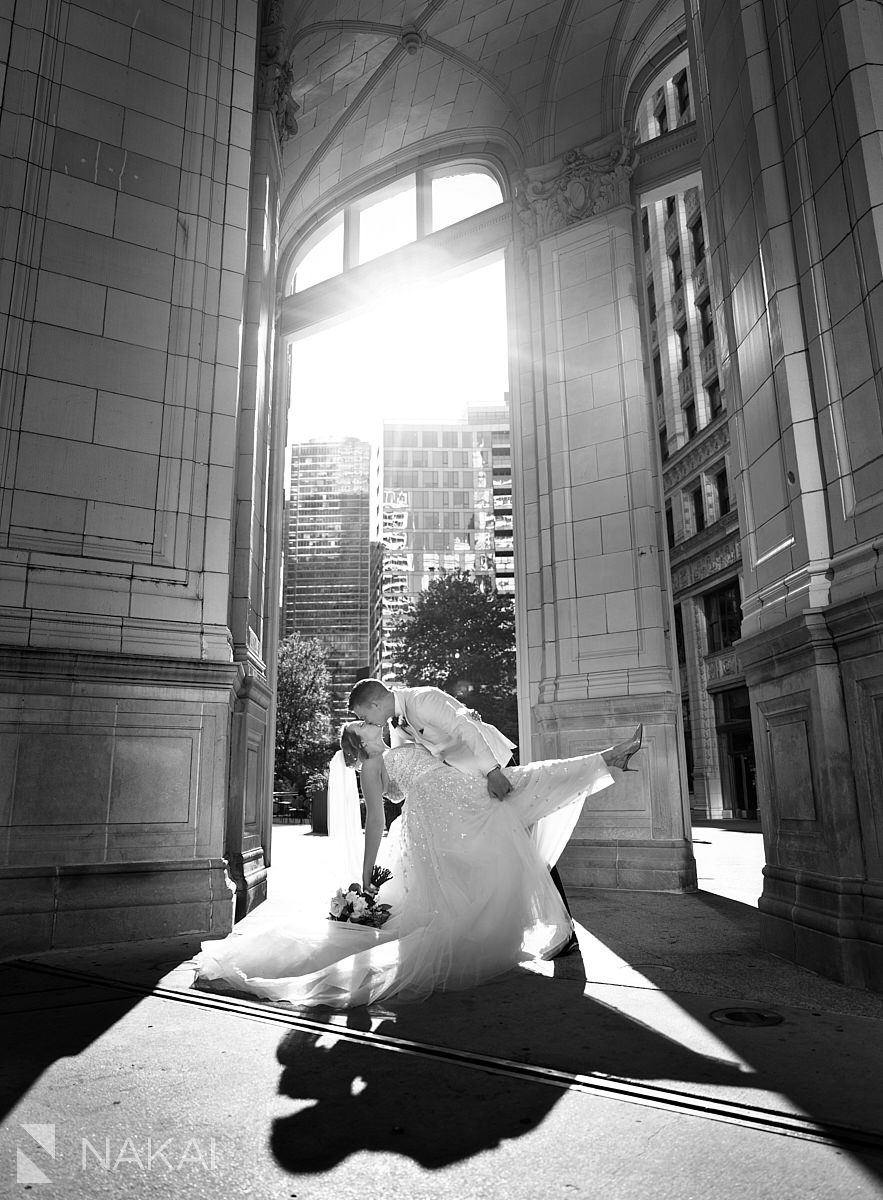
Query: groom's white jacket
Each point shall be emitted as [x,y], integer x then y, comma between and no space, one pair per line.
[450,730]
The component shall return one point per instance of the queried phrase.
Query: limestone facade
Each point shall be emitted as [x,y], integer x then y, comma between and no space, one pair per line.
[162,167]
[791,171]
[700,504]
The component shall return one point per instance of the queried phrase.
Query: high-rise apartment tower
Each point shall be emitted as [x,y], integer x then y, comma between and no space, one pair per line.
[333,557]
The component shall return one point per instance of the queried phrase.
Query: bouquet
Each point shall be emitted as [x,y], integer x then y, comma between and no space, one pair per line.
[358,906]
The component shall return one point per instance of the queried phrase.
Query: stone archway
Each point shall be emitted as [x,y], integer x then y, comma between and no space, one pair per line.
[143,413]
[587,495]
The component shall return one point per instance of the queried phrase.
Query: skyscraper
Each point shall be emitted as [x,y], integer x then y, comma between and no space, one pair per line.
[332,565]
[447,506]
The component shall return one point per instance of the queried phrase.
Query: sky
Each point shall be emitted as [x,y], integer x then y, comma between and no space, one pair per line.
[425,353]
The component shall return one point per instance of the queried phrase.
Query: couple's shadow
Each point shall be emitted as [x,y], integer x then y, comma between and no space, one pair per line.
[438,1112]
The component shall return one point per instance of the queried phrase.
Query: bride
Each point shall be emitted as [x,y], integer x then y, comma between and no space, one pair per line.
[470,892]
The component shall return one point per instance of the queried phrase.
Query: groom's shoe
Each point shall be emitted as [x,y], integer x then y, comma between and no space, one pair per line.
[571,946]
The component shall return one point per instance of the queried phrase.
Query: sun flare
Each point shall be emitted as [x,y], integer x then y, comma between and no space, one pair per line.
[425,352]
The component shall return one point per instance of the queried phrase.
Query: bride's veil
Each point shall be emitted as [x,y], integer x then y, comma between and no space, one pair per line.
[344,818]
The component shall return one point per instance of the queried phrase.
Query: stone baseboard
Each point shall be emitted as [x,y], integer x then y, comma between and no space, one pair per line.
[831,926]
[248,873]
[639,865]
[53,908]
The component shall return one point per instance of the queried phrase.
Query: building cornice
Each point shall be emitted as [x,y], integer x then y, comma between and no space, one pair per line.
[689,460]
[667,158]
[709,553]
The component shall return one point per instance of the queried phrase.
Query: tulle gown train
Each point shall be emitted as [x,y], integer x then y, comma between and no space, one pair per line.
[471,893]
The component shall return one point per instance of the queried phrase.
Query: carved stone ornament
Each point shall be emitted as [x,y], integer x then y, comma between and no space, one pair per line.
[725,665]
[277,74]
[585,182]
[693,461]
[704,566]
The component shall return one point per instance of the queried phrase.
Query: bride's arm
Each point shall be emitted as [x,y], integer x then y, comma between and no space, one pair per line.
[375,820]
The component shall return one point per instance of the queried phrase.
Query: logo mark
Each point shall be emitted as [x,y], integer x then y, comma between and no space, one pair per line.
[27,1170]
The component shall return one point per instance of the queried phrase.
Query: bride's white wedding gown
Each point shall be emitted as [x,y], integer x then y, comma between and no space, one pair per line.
[471,893]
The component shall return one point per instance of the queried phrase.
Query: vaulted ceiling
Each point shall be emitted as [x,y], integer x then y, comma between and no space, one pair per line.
[383,84]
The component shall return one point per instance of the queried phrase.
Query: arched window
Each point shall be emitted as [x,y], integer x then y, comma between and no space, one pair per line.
[412,207]
[666,103]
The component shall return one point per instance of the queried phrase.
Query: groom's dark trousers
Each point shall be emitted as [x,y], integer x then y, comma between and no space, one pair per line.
[553,870]
[556,879]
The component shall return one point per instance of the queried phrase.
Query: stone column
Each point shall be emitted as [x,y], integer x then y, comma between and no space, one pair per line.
[257,533]
[595,611]
[706,758]
[125,151]
[792,170]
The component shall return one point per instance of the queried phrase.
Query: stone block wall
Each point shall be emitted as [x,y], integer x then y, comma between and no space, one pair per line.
[594,599]
[791,166]
[125,163]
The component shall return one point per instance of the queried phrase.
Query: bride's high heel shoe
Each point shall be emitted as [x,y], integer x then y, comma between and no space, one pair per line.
[620,756]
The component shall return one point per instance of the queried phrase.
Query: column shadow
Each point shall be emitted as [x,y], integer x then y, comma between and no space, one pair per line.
[51,1015]
[358,1097]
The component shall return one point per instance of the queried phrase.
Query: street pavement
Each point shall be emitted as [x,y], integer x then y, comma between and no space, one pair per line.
[671,1058]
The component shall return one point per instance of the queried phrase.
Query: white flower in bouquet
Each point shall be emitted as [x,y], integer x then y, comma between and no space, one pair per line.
[358,906]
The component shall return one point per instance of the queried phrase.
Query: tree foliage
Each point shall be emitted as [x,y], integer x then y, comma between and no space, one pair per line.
[460,636]
[304,741]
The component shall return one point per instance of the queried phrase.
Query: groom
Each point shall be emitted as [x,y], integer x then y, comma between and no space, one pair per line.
[449,730]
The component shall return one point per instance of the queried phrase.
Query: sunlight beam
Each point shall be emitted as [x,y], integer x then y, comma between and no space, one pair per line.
[423,353]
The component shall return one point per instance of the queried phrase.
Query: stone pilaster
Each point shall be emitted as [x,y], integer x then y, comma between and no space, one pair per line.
[706,759]
[261,431]
[817,707]
[592,619]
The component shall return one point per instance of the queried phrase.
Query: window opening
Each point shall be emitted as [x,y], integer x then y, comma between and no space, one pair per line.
[388,220]
[393,217]
[723,615]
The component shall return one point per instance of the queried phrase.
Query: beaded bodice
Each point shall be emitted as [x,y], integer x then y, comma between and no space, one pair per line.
[405,765]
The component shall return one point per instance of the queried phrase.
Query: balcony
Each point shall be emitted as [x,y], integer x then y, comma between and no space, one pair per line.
[700,280]
[654,335]
[678,306]
[685,384]
[692,208]
[708,362]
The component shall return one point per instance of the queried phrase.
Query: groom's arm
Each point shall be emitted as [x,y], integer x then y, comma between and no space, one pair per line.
[441,711]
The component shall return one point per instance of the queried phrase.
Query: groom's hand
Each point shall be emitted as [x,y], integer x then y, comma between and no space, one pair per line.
[498,785]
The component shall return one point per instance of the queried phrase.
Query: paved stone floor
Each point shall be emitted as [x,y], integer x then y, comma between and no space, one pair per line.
[617,1074]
